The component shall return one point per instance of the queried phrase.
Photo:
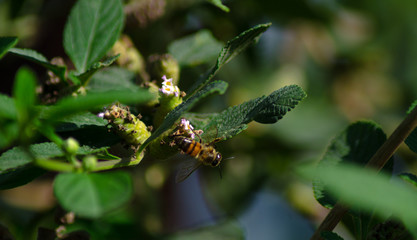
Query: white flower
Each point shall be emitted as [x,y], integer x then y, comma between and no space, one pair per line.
[100,115]
[187,127]
[168,88]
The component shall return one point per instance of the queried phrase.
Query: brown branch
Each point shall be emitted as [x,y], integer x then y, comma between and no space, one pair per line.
[378,160]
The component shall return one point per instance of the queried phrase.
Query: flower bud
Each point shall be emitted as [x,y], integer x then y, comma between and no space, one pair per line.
[89,162]
[71,146]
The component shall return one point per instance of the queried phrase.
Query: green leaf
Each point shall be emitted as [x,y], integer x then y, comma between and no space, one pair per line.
[6,43]
[92,29]
[356,144]
[200,120]
[411,140]
[70,105]
[86,150]
[232,48]
[272,108]
[366,189]
[24,93]
[392,229]
[19,176]
[219,4]
[222,230]
[38,58]
[330,236]
[86,76]
[198,48]
[17,156]
[112,78]
[7,107]
[92,195]
[80,120]
[217,86]
[9,132]
[266,109]
[409,177]
[105,155]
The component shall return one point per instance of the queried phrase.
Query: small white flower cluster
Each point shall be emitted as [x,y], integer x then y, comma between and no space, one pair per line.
[168,88]
[187,127]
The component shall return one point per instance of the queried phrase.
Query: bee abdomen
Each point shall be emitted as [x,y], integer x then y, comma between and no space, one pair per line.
[189,146]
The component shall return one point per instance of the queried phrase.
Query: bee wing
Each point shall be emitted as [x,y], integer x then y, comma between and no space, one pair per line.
[186,168]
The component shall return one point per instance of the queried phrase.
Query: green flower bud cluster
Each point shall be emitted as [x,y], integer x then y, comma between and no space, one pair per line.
[170,97]
[164,65]
[127,125]
[130,57]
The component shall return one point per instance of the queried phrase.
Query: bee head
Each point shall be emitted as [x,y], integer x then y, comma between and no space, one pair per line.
[217,160]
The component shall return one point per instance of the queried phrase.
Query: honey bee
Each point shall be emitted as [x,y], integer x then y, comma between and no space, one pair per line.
[202,153]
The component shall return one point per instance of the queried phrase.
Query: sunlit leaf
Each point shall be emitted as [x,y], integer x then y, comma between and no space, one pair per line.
[266,109]
[91,30]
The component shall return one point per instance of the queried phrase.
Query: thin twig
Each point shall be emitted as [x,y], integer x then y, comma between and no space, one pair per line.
[378,160]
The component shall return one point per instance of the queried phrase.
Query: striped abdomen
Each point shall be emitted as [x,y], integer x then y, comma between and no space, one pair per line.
[188,146]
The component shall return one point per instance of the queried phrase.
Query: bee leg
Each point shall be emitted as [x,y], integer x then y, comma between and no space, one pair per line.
[175,133]
[134,148]
[197,134]
[172,143]
[217,140]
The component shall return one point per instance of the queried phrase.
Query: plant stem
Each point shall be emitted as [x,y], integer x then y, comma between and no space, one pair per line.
[124,162]
[378,160]
[54,165]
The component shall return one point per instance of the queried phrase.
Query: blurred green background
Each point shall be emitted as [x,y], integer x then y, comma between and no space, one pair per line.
[353,58]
